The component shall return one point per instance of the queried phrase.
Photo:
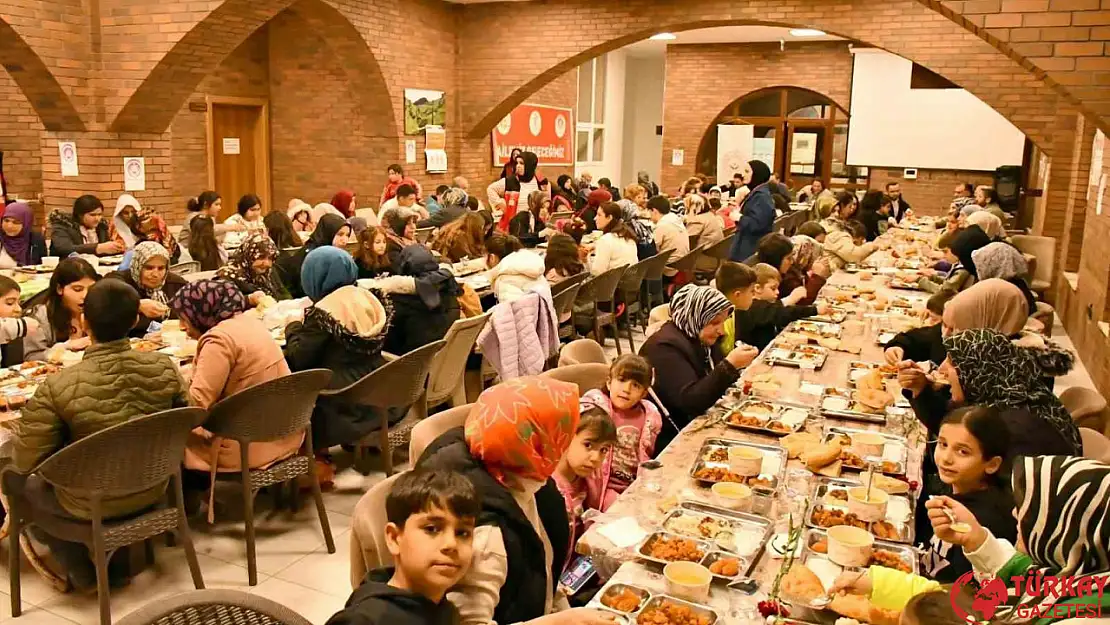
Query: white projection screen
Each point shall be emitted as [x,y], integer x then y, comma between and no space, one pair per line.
[894,126]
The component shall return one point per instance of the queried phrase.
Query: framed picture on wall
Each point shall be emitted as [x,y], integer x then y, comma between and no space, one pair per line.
[424,107]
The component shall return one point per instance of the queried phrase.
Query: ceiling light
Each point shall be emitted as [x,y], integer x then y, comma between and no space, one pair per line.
[807,32]
[664,37]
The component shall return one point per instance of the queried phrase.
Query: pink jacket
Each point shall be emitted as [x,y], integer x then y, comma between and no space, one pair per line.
[521,334]
[598,483]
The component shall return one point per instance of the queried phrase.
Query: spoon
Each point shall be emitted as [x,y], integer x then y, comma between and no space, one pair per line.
[958,527]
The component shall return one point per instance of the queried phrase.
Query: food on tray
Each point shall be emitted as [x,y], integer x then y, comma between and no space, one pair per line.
[866,276]
[765,382]
[829,342]
[761,482]
[31,364]
[16,402]
[875,399]
[821,546]
[852,460]
[884,530]
[890,561]
[703,527]
[667,613]
[726,567]
[832,470]
[778,426]
[144,345]
[717,455]
[796,443]
[801,584]
[838,496]
[820,456]
[873,379]
[674,549]
[890,484]
[623,601]
[45,369]
[266,302]
[718,474]
[833,402]
[860,608]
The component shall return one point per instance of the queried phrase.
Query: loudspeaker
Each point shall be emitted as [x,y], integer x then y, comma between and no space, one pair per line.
[1007,184]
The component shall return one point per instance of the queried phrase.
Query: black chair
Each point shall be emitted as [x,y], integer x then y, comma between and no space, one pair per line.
[652,294]
[130,458]
[628,290]
[718,252]
[563,296]
[268,412]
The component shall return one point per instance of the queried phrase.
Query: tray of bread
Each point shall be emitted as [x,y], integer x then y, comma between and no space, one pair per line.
[868,405]
[735,538]
[767,417]
[739,462]
[862,448]
[870,374]
[886,512]
[788,355]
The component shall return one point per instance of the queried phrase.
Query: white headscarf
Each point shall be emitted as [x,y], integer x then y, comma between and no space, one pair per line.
[122,228]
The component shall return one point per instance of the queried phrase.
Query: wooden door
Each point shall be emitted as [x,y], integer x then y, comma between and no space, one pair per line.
[235,148]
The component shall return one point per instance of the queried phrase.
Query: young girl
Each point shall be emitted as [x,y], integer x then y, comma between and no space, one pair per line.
[371,258]
[281,230]
[637,422]
[970,457]
[13,325]
[59,319]
[562,260]
[203,246]
[590,448]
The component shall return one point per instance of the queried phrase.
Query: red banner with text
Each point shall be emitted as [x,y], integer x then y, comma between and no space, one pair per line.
[546,130]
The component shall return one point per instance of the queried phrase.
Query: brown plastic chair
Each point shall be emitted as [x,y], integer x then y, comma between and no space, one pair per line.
[653,277]
[1043,250]
[1095,445]
[429,429]
[268,412]
[423,234]
[126,459]
[214,607]
[629,290]
[687,263]
[582,351]
[368,547]
[563,296]
[719,253]
[587,376]
[445,378]
[601,289]
[396,384]
[1087,408]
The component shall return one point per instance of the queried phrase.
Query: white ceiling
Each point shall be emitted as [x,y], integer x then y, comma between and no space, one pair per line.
[722,34]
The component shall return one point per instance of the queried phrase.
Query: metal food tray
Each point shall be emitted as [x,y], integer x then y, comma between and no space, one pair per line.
[713,444]
[836,316]
[885,337]
[898,441]
[612,588]
[904,552]
[907,286]
[900,302]
[737,521]
[822,328]
[850,395]
[859,365]
[696,608]
[794,356]
[823,486]
[777,410]
[643,550]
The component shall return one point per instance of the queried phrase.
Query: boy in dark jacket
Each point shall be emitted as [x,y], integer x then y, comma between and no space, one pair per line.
[431,518]
[925,343]
[760,324]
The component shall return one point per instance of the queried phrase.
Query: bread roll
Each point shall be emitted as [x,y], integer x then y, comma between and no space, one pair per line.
[801,584]
[821,456]
[795,444]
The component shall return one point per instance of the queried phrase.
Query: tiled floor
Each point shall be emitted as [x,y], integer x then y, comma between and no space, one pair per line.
[294,566]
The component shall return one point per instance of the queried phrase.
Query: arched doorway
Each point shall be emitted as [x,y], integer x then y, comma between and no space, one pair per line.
[803,134]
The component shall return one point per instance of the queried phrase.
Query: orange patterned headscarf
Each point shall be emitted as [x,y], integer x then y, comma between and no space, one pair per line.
[522,427]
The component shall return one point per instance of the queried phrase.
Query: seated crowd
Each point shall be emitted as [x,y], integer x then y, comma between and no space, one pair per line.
[466,528]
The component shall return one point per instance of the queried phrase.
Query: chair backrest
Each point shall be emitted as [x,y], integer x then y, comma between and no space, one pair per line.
[214,606]
[633,277]
[587,376]
[687,262]
[368,548]
[426,431]
[1081,402]
[730,231]
[555,217]
[1095,445]
[1044,248]
[130,457]
[563,301]
[719,250]
[449,364]
[190,266]
[269,411]
[568,282]
[423,234]
[395,384]
[582,351]
[693,238]
[656,264]
[603,286]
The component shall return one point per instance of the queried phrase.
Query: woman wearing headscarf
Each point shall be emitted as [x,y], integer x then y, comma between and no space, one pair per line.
[963,272]
[757,212]
[989,223]
[153,228]
[807,269]
[512,442]
[564,197]
[21,244]
[508,193]
[323,208]
[527,225]
[510,165]
[251,269]
[425,301]
[344,331]
[587,216]
[697,372]
[331,231]
[234,352]
[125,221]
[1004,261]
[344,202]
[1062,507]
[965,243]
[301,216]
[150,275]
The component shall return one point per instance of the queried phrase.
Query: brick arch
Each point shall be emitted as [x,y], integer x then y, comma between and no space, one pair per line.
[909,28]
[37,82]
[153,105]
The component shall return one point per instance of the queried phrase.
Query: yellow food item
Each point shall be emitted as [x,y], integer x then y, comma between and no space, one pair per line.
[801,584]
[875,399]
[795,444]
[871,380]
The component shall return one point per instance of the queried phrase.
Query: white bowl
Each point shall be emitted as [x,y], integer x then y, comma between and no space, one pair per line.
[868,444]
[50,261]
[745,461]
[871,508]
[850,546]
[688,580]
[733,496]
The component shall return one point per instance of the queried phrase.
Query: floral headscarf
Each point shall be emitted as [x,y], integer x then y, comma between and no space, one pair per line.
[999,260]
[238,268]
[140,256]
[806,251]
[154,228]
[206,303]
[693,307]
[995,371]
[522,427]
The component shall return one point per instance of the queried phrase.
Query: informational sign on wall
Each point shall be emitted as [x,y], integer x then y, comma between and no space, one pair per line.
[134,173]
[435,149]
[734,149]
[678,157]
[546,131]
[410,150]
[67,153]
[1096,163]
[231,145]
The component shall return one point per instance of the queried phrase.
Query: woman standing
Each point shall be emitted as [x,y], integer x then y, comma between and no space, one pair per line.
[21,244]
[251,269]
[617,246]
[505,193]
[513,440]
[150,275]
[757,213]
[60,317]
[208,204]
[697,373]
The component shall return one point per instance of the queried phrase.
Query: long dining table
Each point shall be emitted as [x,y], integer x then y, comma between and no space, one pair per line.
[642,508]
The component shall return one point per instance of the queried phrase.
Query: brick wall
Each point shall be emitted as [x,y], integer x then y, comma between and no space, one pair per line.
[931,192]
[19,140]
[702,80]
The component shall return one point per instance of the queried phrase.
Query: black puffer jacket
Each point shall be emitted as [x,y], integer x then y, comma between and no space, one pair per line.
[65,235]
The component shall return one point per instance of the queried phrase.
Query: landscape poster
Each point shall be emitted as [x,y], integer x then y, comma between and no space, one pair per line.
[424,107]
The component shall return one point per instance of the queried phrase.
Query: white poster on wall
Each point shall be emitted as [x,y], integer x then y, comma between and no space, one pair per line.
[232,146]
[67,152]
[678,157]
[410,150]
[734,149]
[134,173]
[763,149]
[1096,163]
